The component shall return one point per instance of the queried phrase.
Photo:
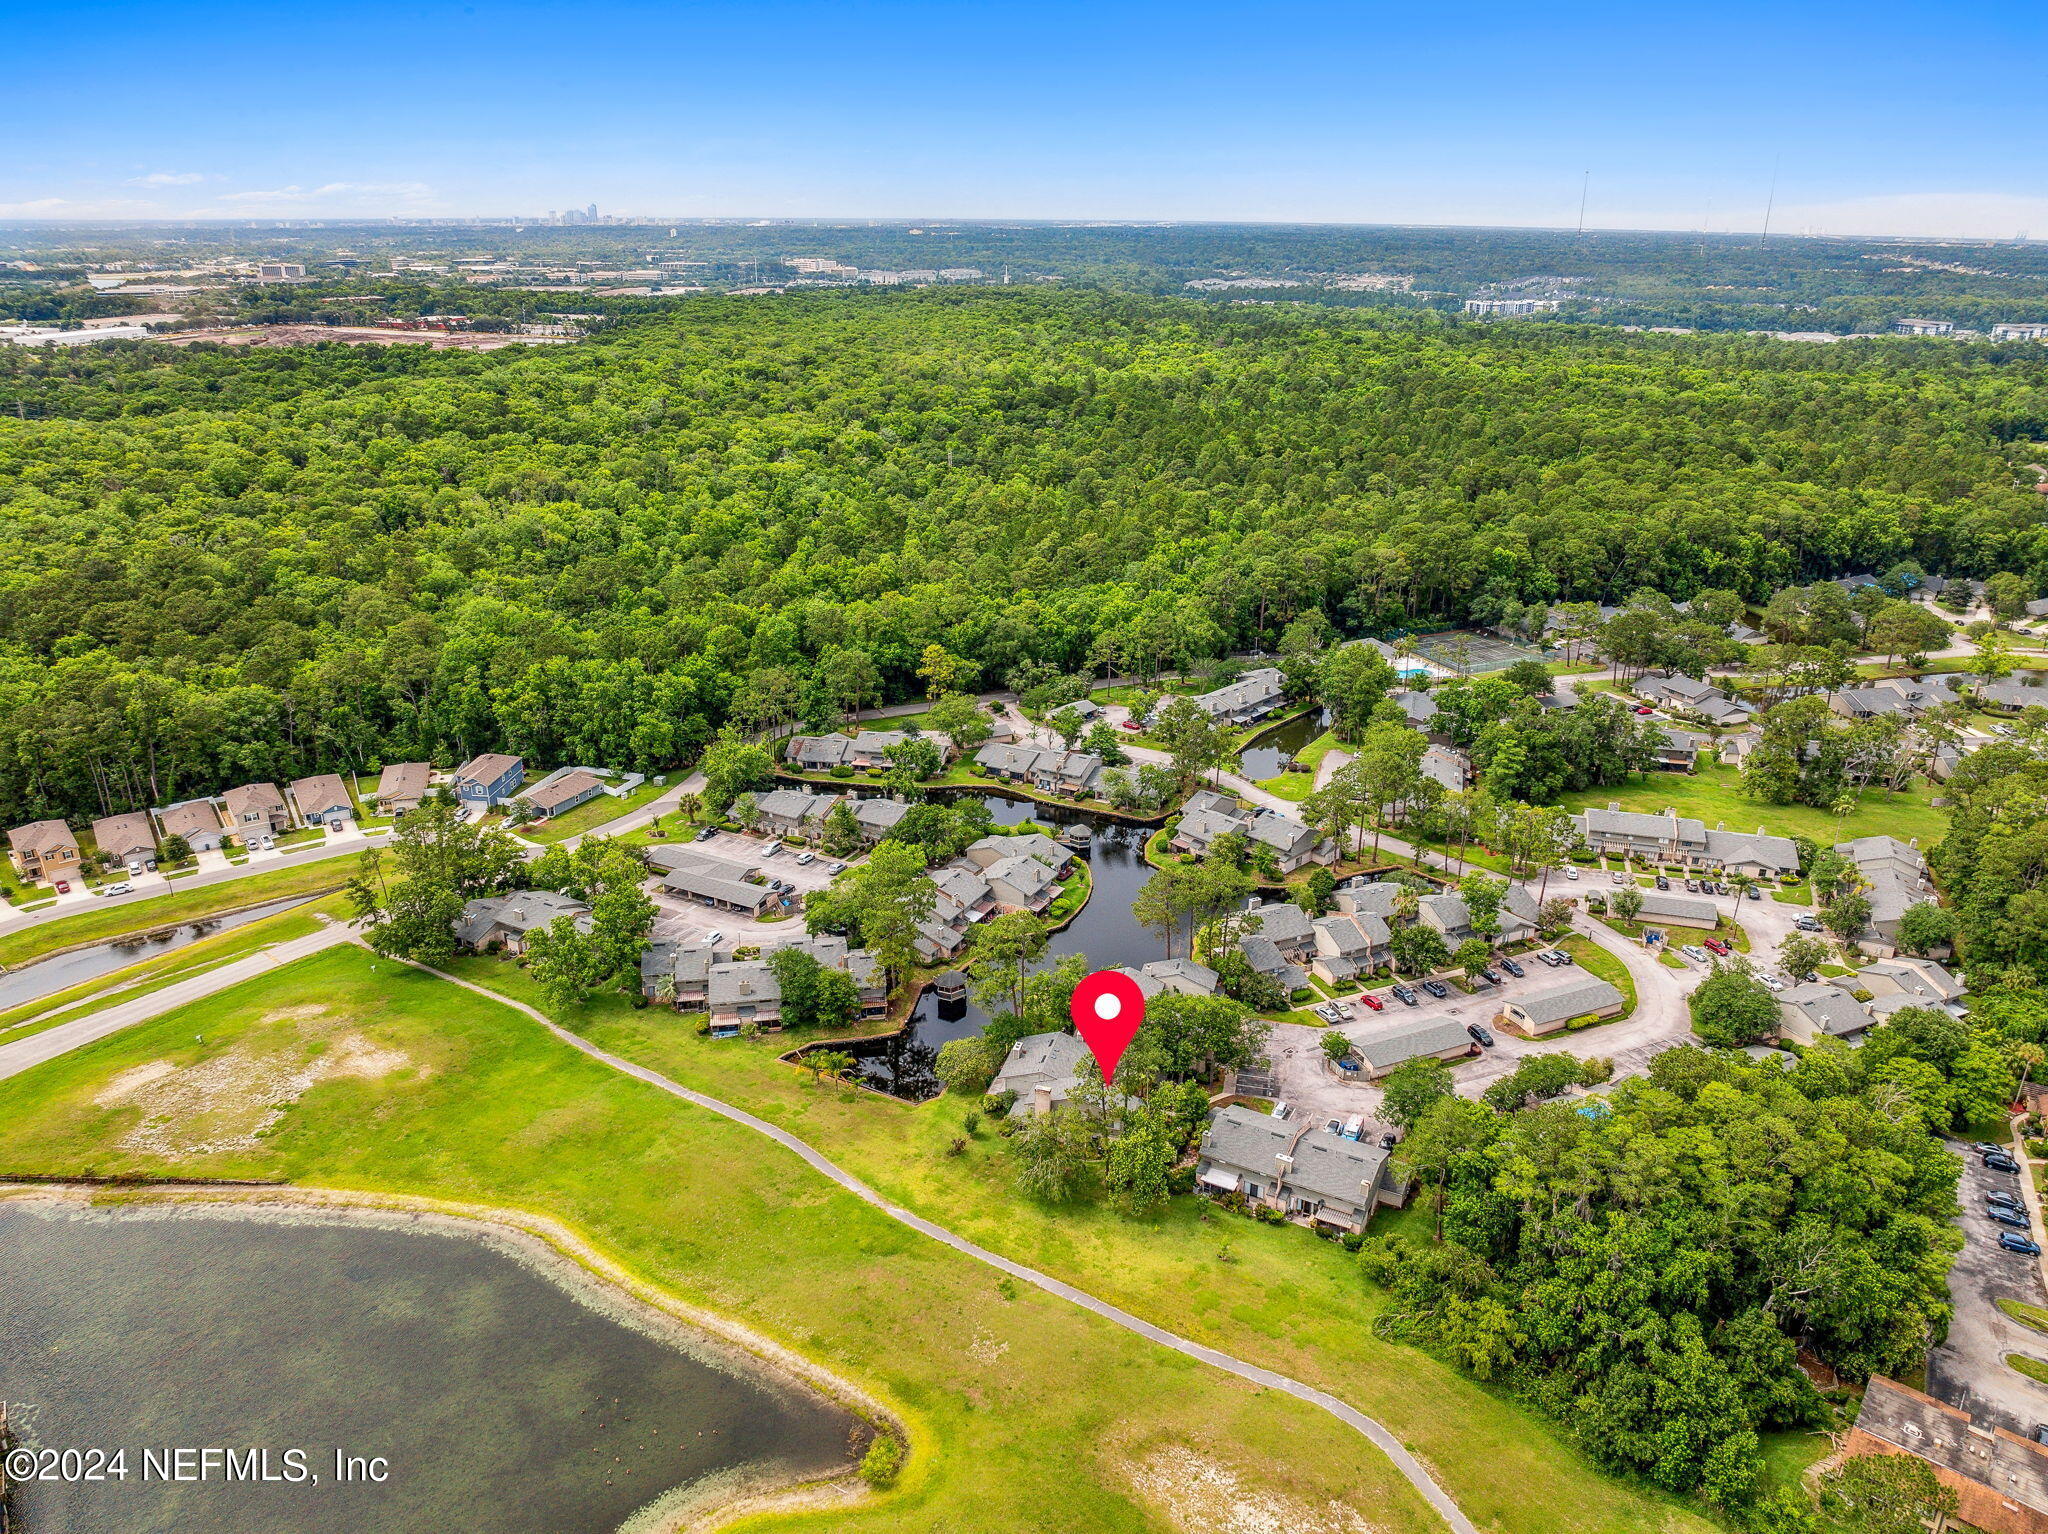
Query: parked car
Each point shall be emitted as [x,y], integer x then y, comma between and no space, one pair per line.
[705,833]
[1354,1128]
[2007,1218]
[2013,1241]
[1489,977]
[1130,725]
[1692,886]
[1755,893]
[1644,708]
[805,857]
[1694,952]
[2004,1199]
[772,850]
[1617,877]
[1373,1002]
[1806,924]
[1389,1140]
[1333,1126]
[1282,1110]
[835,868]
[1550,957]
[1406,996]
[2001,1163]
[63,886]
[1663,883]
[1986,1148]
[1563,958]
[136,870]
[1513,968]
[1436,988]
[1572,874]
[1771,982]
[1716,946]
[1480,1036]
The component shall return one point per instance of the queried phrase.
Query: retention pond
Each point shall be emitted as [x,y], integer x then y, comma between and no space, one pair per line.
[500,1385]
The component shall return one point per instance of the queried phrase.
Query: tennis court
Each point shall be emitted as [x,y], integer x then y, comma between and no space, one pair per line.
[1462,650]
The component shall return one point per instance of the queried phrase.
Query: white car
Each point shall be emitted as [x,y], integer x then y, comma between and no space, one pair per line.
[803,858]
[118,889]
[1572,874]
[836,868]
[1696,953]
[1772,982]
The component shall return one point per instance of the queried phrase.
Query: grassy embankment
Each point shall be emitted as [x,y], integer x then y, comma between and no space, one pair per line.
[588,817]
[147,975]
[100,922]
[1714,795]
[1027,1413]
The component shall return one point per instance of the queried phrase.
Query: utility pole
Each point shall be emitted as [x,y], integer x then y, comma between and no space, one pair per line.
[1585,187]
[1770,202]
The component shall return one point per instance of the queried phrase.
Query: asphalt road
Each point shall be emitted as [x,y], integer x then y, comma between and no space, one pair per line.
[1969,1370]
[24,1054]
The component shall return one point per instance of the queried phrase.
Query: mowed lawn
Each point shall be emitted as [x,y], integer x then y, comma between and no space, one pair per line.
[1026,1413]
[1714,794]
[1275,1295]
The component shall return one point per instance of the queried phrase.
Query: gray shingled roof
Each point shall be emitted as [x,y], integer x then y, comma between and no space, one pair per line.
[1573,998]
[1411,1041]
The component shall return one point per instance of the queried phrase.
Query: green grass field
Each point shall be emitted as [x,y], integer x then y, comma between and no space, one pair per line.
[1026,1413]
[178,906]
[1713,795]
[588,817]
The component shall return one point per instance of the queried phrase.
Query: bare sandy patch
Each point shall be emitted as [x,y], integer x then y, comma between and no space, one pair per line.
[231,1100]
[1203,1497]
[131,1081]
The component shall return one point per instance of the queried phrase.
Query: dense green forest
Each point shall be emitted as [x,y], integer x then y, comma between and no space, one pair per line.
[224,565]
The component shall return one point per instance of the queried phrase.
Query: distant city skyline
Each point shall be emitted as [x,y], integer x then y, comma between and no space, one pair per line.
[1906,123]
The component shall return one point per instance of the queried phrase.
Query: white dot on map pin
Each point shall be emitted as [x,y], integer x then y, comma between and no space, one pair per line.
[1107,1005]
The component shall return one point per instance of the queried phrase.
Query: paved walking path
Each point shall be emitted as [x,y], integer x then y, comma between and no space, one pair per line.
[1380,1436]
[25,1053]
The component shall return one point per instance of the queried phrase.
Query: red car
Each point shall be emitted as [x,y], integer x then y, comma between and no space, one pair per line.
[1129,725]
[1374,1002]
[1715,945]
[1644,708]
[63,887]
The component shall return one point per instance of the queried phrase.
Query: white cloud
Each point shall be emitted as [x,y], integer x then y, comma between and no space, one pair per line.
[347,194]
[166,178]
[65,207]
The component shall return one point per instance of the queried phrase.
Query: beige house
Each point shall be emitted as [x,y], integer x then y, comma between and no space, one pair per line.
[256,809]
[1548,1010]
[401,787]
[43,849]
[196,821]
[128,839]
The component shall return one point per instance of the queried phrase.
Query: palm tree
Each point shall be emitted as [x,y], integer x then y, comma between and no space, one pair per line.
[690,806]
[823,1062]
[1741,884]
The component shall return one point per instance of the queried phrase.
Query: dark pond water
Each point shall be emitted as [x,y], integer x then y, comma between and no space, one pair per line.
[1105,932]
[1271,755]
[68,969]
[501,1397]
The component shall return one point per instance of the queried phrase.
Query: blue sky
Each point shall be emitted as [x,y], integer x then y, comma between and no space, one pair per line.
[1899,118]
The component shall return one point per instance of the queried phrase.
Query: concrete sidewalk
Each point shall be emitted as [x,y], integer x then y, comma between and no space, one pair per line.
[25,1054]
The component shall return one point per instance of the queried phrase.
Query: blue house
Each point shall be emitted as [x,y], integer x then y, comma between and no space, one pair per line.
[488,778]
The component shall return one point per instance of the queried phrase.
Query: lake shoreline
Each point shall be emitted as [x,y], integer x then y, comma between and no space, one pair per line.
[564,1258]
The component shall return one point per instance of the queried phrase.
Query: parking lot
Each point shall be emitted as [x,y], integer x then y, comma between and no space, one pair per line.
[1301,1076]
[1969,1370]
[677,911]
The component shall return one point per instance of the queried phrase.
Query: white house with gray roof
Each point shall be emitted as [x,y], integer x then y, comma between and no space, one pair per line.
[1807,1013]
[1681,841]
[1897,879]
[1252,696]
[1042,1069]
[509,921]
[1073,774]
[1291,1165]
[793,811]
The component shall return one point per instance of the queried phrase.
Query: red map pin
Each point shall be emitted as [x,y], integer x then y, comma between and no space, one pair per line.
[1107,1009]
